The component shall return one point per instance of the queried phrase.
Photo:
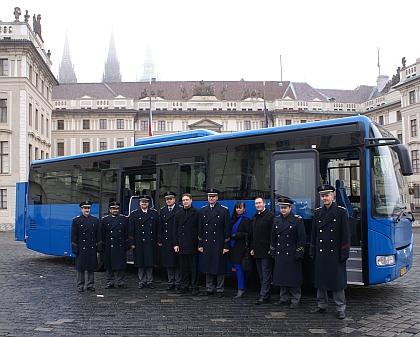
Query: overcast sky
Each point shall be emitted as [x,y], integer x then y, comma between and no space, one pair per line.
[330,44]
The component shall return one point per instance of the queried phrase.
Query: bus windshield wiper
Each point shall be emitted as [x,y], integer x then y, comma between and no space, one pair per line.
[397,219]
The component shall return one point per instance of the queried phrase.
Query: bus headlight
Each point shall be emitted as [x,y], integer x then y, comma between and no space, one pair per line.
[385,260]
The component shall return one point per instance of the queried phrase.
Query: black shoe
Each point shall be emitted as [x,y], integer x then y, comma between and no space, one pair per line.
[183,291]
[279,303]
[177,287]
[318,310]
[341,315]
[141,286]
[207,293]
[80,290]
[151,286]
[220,295]
[90,289]
[170,287]
[294,305]
[122,286]
[262,301]
[109,286]
[194,292]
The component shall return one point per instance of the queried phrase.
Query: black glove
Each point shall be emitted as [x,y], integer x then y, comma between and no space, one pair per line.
[342,259]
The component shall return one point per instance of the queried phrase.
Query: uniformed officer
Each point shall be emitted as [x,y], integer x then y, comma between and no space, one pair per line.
[142,237]
[170,259]
[330,248]
[85,243]
[287,247]
[213,242]
[115,236]
[185,243]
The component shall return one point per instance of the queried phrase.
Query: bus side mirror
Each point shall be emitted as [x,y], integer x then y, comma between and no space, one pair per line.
[404,157]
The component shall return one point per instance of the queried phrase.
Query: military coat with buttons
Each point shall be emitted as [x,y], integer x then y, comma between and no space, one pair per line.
[214,236]
[115,238]
[142,233]
[86,241]
[166,234]
[288,239]
[186,230]
[330,246]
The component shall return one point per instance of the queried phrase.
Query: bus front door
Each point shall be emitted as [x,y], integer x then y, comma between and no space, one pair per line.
[110,189]
[295,174]
[167,179]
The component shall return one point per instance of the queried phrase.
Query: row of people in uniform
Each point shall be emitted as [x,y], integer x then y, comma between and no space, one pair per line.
[179,230]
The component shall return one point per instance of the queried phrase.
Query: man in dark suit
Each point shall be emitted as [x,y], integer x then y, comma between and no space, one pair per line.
[330,248]
[170,258]
[85,243]
[185,241]
[214,242]
[142,237]
[261,224]
[288,240]
[115,236]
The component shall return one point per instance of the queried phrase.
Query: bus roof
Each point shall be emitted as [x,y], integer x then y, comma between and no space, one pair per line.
[198,136]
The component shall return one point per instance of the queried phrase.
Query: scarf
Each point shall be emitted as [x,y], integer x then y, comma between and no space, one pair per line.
[235,228]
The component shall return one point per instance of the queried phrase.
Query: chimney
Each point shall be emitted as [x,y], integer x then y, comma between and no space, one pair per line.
[381,82]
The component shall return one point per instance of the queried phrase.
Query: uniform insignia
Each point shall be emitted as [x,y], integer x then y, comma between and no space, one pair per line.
[341,207]
[298,216]
[318,208]
[163,207]
[203,206]
[224,206]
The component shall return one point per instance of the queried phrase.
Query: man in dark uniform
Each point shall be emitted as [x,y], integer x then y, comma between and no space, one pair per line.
[288,239]
[214,242]
[85,243]
[330,248]
[185,241]
[170,258]
[115,236]
[142,237]
[261,224]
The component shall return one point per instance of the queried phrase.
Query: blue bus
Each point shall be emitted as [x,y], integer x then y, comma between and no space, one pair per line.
[365,162]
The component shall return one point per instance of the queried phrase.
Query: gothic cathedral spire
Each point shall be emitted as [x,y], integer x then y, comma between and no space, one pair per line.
[66,72]
[112,65]
[148,67]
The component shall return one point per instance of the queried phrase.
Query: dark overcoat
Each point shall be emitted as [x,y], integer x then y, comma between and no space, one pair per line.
[86,241]
[330,246]
[288,239]
[186,230]
[142,233]
[242,235]
[214,236]
[166,234]
[115,238]
[261,233]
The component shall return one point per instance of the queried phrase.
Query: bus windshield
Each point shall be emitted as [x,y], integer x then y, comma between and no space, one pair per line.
[389,187]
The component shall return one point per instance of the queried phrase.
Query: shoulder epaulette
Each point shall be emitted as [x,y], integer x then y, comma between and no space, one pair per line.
[133,210]
[318,208]
[224,206]
[203,206]
[153,209]
[77,216]
[341,207]
[298,216]
[162,207]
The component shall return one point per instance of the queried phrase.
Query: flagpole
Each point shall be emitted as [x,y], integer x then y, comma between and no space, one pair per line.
[265,107]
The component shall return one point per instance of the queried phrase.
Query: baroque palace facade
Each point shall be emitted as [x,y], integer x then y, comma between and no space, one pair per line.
[51,119]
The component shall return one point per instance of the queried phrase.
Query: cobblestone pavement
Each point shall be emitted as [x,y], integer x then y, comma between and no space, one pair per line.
[39,298]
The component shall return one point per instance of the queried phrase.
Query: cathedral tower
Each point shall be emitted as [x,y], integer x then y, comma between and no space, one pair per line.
[112,65]
[66,72]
